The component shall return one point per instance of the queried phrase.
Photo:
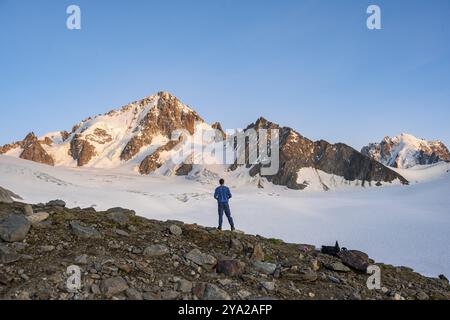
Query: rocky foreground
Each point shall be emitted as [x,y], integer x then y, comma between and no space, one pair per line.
[123,256]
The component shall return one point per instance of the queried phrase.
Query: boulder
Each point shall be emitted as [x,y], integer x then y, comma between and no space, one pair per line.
[258,253]
[205,260]
[120,217]
[14,228]
[133,294]
[184,286]
[27,210]
[7,196]
[355,259]
[37,217]
[8,255]
[113,286]
[230,267]
[56,203]
[213,292]
[264,267]
[304,276]
[236,245]
[156,250]
[338,267]
[175,230]
[85,232]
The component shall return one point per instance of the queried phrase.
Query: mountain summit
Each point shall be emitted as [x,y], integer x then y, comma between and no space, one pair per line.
[138,136]
[406,151]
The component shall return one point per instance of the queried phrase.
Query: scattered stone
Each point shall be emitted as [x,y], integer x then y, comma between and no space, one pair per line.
[8,255]
[84,232]
[304,276]
[148,296]
[56,203]
[198,289]
[315,265]
[36,218]
[169,295]
[334,279]
[133,294]
[175,230]
[122,233]
[156,250]
[113,286]
[355,259]
[264,267]
[47,248]
[28,210]
[258,253]
[338,267]
[398,297]
[14,228]
[118,217]
[230,267]
[422,296]
[244,294]
[81,259]
[225,282]
[122,210]
[95,289]
[202,259]
[213,292]
[184,286]
[236,245]
[268,285]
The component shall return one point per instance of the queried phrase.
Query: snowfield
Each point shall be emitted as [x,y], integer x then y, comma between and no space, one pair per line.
[399,225]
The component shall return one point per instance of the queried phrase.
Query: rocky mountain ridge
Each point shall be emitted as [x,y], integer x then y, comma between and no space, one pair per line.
[405,151]
[123,256]
[140,135]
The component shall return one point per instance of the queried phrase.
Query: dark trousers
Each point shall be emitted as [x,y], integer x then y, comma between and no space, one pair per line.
[224,207]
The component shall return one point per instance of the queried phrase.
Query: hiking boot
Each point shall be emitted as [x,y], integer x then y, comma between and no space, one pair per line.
[219,228]
[233,228]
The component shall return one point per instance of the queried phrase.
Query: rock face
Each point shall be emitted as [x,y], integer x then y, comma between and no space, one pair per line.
[7,196]
[406,151]
[153,161]
[81,150]
[168,115]
[297,152]
[33,151]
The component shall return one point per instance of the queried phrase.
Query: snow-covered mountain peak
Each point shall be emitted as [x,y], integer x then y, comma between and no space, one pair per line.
[406,151]
[110,139]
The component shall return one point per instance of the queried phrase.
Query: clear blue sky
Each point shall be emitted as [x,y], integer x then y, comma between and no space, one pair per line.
[311,65]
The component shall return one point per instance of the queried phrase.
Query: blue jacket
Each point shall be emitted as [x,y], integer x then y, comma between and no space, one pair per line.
[222,194]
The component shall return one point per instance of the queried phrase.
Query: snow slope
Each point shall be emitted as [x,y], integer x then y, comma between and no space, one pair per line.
[397,225]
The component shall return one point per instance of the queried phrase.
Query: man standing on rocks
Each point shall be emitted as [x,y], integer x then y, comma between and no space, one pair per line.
[223,195]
